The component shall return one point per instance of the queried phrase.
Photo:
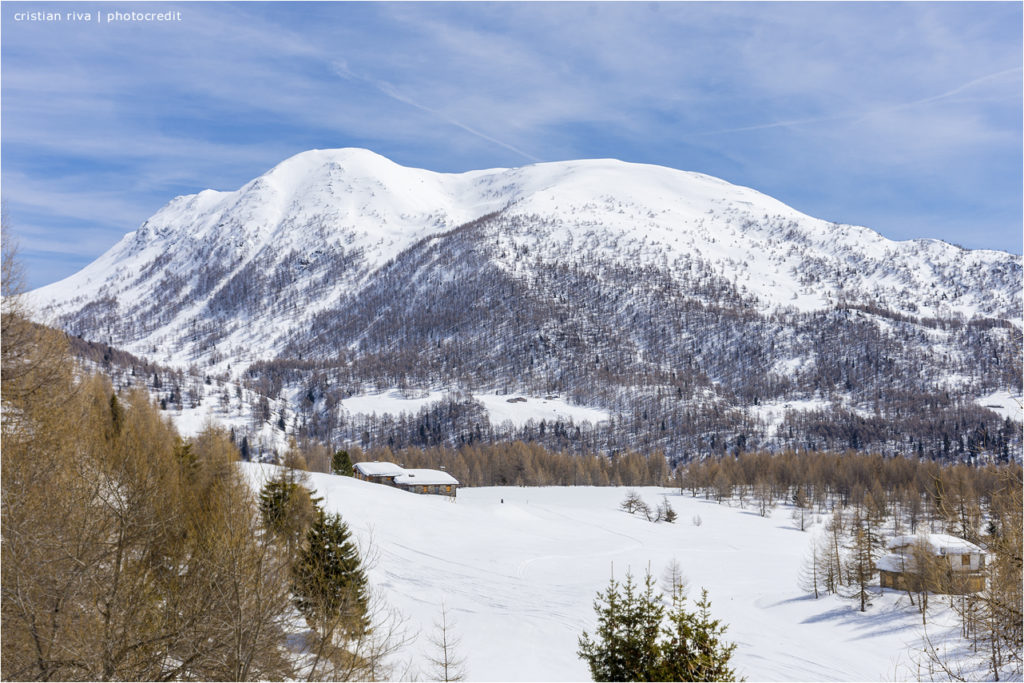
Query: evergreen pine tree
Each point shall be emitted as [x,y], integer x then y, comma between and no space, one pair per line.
[627,632]
[693,649]
[631,642]
[116,418]
[341,464]
[274,498]
[603,655]
[185,455]
[328,582]
[287,507]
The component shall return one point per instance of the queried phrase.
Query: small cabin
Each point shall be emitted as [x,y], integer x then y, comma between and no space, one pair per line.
[959,565]
[428,481]
[435,482]
[377,472]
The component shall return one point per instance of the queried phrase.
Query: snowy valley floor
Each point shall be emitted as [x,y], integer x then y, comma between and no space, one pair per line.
[519,578]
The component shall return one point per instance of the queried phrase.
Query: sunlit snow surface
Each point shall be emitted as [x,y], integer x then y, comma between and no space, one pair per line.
[1005,404]
[519,578]
[517,409]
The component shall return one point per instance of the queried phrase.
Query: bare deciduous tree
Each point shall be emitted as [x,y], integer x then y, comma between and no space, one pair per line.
[447,664]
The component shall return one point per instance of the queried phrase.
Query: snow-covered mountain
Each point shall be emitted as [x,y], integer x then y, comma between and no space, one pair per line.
[598,279]
[321,224]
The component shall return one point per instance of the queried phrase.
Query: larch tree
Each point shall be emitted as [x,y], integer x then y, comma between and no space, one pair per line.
[860,561]
[447,664]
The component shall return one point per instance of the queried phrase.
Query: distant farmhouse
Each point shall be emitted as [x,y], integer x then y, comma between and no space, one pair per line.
[417,481]
[377,472]
[952,565]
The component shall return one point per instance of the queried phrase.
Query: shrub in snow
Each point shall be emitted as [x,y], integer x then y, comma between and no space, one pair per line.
[635,505]
[665,511]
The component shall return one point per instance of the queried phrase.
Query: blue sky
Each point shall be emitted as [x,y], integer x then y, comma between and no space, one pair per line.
[904,117]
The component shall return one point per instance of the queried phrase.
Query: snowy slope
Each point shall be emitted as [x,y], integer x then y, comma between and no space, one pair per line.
[321,224]
[519,578]
[668,302]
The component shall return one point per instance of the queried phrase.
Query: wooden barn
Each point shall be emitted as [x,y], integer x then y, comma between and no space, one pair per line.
[951,564]
[428,481]
[377,472]
[435,482]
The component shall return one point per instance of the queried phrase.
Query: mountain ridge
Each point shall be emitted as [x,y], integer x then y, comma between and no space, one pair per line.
[267,207]
[612,283]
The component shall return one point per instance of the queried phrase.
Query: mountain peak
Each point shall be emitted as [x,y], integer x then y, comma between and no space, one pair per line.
[359,208]
[315,166]
[339,155]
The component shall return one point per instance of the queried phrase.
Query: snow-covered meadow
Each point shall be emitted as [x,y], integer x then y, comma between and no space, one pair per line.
[518,570]
[514,408]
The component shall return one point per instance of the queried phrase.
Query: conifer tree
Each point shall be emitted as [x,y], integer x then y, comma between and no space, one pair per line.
[341,464]
[665,511]
[445,660]
[633,644]
[673,579]
[693,649]
[801,508]
[814,571]
[626,646]
[116,417]
[328,581]
[860,561]
[287,507]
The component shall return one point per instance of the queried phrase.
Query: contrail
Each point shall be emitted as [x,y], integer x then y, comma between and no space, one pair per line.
[389,90]
[862,115]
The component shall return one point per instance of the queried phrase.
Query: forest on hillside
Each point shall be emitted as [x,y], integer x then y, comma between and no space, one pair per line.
[119,536]
[681,355]
[933,426]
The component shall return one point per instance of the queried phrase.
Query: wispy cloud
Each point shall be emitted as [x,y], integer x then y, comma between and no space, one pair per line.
[896,115]
[342,70]
[860,115]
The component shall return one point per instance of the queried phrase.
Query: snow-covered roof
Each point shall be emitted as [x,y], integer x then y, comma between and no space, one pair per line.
[404,476]
[425,477]
[379,469]
[938,543]
[896,563]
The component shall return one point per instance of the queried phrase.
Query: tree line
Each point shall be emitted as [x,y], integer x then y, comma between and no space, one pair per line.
[130,553]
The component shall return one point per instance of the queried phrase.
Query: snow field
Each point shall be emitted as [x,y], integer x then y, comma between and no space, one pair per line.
[1005,404]
[499,409]
[519,578]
